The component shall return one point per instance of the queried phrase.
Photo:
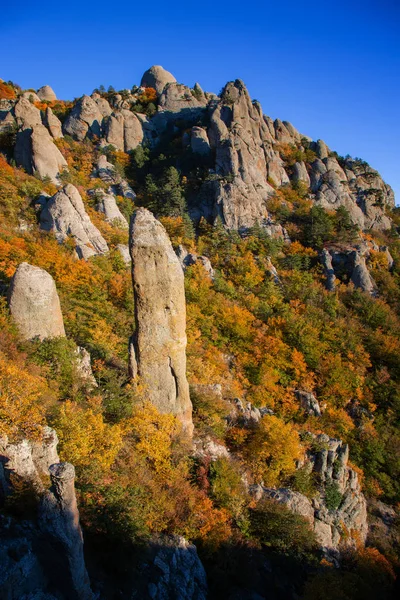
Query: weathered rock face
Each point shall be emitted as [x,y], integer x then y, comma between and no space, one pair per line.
[65,214]
[37,557]
[34,303]
[236,133]
[59,522]
[199,141]
[309,403]
[107,173]
[187,259]
[344,524]
[158,351]
[84,120]
[107,205]
[326,260]
[352,184]
[46,93]
[156,77]
[348,263]
[124,130]
[53,124]
[172,569]
[36,153]
[34,149]
[27,460]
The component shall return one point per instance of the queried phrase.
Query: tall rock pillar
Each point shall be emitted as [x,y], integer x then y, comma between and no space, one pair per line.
[158,347]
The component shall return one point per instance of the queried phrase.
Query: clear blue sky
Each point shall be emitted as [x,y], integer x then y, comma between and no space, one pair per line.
[331,68]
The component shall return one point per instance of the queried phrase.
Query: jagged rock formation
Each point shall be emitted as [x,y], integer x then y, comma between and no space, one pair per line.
[348,263]
[309,403]
[47,555]
[27,460]
[326,260]
[247,147]
[334,527]
[59,522]
[173,570]
[84,367]
[34,303]
[46,93]
[53,124]
[34,149]
[188,259]
[84,120]
[65,215]
[107,204]
[246,416]
[117,185]
[157,78]
[158,347]
[236,134]
[353,184]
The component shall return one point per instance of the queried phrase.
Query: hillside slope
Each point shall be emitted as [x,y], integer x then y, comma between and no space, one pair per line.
[286,327]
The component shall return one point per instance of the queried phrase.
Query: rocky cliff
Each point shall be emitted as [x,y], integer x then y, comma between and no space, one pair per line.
[248,151]
[338,514]
[45,554]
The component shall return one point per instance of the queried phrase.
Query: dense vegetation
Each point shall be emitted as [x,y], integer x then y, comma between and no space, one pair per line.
[261,340]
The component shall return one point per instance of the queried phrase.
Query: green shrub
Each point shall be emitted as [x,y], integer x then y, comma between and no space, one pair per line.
[333,497]
[276,527]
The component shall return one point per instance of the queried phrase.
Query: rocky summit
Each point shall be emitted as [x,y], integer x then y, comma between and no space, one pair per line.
[199,366]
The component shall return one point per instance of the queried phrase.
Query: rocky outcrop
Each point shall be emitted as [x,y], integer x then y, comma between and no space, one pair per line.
[46,93]
[37,154]
[59,525]
[157,78]
[172,569]
[84,120]
[178,98]
[158,348]
[53,124]
[240,190]
[34,303]
[338,514]
[27,460]
[247,415]
[117,185]
[187,259]
[34,149]
[107,204]
[124,130]
[348,264]
[84,367]
[44,556]
[308,403]
[209,449]
[65,215]
[351,183]
[199,141]
[326,260]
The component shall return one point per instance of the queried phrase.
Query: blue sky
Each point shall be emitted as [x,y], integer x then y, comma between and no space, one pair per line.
[331,68]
